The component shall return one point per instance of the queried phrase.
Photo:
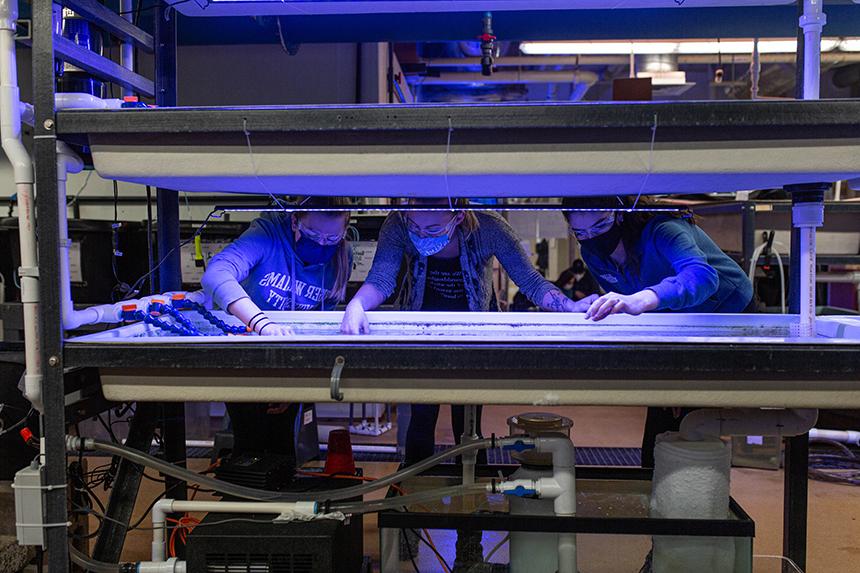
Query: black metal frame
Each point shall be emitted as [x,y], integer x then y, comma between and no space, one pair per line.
[625,122]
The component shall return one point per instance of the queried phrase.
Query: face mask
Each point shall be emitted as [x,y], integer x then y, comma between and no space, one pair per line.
[603,245]
[429,246]
[578,277]
[312,253]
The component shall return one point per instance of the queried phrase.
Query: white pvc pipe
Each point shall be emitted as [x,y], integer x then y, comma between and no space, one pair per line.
[842,436]
[84,101]
[709,423]
[562,489]
[812,22]
[172,565]
[22,167]
[807,281]
[69,162]
[166,506]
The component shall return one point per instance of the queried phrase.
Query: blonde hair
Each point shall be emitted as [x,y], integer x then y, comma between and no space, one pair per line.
[341,257]
[469,223]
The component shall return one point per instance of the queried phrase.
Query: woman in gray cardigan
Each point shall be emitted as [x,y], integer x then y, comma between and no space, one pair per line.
[449,254]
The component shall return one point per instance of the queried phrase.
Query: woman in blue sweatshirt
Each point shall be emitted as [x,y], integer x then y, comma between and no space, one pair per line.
[289,261]
[647,261]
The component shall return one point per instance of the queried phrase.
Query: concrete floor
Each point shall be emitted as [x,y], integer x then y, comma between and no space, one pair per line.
[834,539]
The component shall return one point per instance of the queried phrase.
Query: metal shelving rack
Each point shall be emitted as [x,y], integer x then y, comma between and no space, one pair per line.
[595,362]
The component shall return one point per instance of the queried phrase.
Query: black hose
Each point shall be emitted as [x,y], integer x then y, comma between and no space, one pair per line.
[89,564]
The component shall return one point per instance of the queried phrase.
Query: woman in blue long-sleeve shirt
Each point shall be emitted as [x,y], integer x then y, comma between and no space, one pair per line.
[647,261]
[287,261]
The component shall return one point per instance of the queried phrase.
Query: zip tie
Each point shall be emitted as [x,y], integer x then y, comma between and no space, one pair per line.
[44,525]
[40,487]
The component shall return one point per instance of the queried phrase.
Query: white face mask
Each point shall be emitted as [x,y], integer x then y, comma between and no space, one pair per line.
[578,277]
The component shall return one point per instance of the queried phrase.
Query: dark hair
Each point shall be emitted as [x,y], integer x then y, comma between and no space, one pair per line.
[577,267]
[632,222]
[564,278]
[341,257]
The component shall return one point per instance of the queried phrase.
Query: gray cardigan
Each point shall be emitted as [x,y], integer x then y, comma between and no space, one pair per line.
[493,238]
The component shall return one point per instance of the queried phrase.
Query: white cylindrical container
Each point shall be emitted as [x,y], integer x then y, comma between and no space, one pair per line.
[533,552]
[691,481]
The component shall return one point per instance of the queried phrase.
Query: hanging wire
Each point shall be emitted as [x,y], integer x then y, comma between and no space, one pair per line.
[247,133]
[650,161]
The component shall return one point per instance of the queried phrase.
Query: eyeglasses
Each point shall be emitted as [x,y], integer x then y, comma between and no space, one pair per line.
[598,228]
[432,230]
[320,238]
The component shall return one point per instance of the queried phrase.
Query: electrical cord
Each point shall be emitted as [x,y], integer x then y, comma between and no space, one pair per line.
[432,548]
[498,546]
[17,425]
[135,288]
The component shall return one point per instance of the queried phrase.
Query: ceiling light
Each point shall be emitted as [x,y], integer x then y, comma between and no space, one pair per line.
[686,47]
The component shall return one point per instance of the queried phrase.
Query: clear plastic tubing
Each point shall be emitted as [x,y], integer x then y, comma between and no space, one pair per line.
[175,471]
[404,500]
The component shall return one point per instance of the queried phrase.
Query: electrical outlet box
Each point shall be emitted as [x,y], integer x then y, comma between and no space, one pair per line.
[28,506]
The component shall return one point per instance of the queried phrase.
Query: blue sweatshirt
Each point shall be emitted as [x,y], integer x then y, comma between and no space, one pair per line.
[262,263]
[682,265]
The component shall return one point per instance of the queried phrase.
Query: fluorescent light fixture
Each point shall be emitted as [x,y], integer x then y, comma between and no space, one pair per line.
[683,47]
[665,78]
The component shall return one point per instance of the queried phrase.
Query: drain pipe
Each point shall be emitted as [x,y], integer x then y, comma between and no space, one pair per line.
[561,488]
[69,162]
[297,510]
[22,166]
[812,22]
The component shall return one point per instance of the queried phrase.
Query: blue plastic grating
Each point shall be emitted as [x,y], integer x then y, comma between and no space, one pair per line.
[584,456]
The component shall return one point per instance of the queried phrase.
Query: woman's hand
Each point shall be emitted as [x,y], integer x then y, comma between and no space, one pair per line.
[614,303]
[354,319]
[275,329]
[583,304]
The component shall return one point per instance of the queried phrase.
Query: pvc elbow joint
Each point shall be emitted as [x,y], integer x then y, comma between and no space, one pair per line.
[561,449]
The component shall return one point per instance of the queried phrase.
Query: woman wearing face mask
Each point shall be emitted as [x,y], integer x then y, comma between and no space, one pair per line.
[449,255]
[290,261]
[647,261]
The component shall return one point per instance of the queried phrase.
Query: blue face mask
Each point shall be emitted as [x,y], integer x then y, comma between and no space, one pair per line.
[312,253]
[429,246]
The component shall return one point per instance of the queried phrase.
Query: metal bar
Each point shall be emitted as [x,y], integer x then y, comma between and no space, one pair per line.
[101,67]
[111,22]
[170,272]
[795,505]
[704,120]
[568,524]
[113,530]
[53,394]
[658,361]
[748,237]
